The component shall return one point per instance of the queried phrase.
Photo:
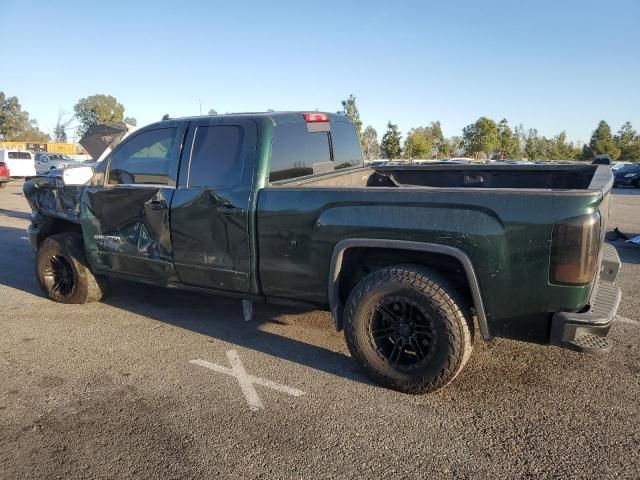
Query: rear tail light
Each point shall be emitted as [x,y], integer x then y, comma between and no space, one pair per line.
[574,250]
[315,117]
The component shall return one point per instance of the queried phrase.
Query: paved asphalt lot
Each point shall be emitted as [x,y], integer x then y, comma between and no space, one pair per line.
[108,391]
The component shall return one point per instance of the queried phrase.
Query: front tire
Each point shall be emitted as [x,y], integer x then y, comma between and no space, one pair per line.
[63,273]
[408,329]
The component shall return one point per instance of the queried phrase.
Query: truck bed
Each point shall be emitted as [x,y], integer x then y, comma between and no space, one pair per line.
[502,220]
[547,177]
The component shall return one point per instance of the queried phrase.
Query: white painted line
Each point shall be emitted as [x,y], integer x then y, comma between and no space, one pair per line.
[24,238]
[622,319]
[247,380]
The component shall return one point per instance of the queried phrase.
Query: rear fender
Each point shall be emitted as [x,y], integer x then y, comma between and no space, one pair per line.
[341,247]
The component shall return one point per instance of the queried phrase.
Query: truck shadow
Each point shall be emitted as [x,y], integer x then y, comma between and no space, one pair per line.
[221,318]
[15,214]
[214,316]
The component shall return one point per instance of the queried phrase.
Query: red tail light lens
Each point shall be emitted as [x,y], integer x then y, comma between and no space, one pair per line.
[315,117]
[574,250]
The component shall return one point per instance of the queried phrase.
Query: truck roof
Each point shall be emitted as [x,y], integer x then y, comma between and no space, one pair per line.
[275,117]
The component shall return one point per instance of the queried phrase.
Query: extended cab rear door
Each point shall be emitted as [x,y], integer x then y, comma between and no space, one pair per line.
[125,220]
[210,212]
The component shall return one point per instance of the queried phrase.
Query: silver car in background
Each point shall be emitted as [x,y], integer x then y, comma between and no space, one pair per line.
[45,162]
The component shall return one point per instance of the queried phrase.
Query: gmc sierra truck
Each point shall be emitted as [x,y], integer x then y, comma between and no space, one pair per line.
[279,207]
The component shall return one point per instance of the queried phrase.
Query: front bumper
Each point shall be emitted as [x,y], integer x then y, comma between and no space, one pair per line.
[586,331]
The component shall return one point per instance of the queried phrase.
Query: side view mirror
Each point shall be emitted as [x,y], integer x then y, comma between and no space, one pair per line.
[77,176]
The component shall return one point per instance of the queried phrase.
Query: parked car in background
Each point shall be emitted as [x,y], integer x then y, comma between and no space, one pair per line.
[19,162]
[602,160]
[627,175]
[619,165]
[4,175]
[45,162]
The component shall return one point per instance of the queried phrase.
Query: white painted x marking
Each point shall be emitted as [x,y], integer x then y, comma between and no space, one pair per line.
[247,380]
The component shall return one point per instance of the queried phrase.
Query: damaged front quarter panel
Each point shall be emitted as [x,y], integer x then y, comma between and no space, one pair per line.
[54,206]
[47,195]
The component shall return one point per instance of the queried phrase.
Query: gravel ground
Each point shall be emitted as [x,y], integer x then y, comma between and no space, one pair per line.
[107,390]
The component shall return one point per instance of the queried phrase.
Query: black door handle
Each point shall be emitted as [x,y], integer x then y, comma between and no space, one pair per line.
[157,204]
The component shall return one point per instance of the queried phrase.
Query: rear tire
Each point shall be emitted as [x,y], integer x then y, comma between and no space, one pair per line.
[63,272]
[3,184]
[408,329]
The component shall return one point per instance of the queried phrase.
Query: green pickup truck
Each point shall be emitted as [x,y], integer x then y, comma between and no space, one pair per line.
[279,207]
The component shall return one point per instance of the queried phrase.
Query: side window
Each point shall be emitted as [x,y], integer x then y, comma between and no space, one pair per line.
[346,147]
[216,156]
[144,159]
[295,152]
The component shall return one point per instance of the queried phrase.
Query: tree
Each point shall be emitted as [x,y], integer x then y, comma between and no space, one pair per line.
[97,109]
[131,121]
[628,141]
[480,137]
[450,147]
[419,143]
[59,134]
[166,116]
[601,143]
[434,133]
[212,111]
[60,130]
[370,145]
[390,145]
[350,109]
[560,149]
[15,124]
[521,137]
[508,145]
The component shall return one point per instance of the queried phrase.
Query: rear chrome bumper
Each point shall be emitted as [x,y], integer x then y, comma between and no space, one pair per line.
[586,331]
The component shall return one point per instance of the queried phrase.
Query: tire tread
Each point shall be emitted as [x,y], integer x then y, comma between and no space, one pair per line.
[442,297]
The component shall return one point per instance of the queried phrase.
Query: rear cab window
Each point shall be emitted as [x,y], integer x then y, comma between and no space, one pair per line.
[346,146]
[298,151]
[216,156]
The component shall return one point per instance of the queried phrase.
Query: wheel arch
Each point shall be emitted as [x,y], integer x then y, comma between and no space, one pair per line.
[48,226]
[345,247]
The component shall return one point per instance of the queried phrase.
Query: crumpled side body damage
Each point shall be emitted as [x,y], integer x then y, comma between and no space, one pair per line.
[48,196]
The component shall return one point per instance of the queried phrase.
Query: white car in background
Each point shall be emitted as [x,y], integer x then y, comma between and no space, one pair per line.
[20,162]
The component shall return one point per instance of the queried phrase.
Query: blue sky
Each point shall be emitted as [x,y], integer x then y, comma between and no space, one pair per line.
[553,65]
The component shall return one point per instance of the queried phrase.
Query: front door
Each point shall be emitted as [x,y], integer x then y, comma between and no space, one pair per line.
[210,207]
[125,221]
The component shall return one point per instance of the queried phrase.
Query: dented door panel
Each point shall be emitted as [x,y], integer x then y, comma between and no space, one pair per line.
[210,224]
[210,234]
[126,230]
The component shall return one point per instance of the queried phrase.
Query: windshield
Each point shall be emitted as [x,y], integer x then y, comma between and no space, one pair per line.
[633,167]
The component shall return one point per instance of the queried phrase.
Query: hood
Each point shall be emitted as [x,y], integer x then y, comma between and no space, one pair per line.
[622,173]
[98,138]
